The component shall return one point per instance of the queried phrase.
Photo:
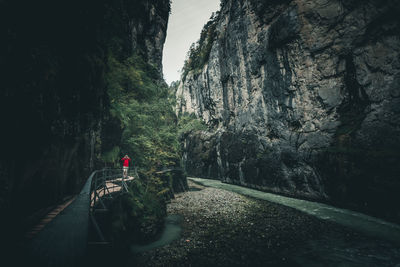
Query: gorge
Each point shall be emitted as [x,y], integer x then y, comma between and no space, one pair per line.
[298,98]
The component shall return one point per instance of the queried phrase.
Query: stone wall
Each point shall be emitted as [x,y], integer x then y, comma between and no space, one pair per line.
[54,106]
[302,98]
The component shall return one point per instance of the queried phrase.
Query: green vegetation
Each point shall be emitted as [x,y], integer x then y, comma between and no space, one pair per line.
[199,52]
[144,125]
[141,102]
[188,123]
[112,155]
[143,105]
[137,216]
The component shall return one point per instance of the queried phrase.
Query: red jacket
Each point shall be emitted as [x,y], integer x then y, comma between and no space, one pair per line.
[126,162]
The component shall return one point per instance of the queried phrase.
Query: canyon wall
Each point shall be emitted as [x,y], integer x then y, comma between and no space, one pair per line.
[54,105]
[301,98]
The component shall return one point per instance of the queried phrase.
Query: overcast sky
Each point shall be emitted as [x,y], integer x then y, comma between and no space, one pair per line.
[185,24]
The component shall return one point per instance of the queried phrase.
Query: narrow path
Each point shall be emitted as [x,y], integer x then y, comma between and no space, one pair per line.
[48,218]
[113,186]
[63,240]
[223,228]
[358,221]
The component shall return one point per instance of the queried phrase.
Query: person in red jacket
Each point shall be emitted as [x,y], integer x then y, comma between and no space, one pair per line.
[125,165]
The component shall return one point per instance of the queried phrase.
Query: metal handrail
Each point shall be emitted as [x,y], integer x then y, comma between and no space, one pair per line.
[105,183]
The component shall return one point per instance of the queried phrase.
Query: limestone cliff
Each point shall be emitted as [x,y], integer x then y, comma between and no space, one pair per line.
[302,98]
[54,105]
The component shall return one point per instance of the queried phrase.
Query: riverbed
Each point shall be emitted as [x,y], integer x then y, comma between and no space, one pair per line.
[222,228]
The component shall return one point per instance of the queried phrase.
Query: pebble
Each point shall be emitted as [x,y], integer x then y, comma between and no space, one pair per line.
[222,228]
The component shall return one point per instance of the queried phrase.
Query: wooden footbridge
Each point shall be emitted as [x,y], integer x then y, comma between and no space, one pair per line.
[64,240]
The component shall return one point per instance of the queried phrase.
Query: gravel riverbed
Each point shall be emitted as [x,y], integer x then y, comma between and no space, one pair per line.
[221,228]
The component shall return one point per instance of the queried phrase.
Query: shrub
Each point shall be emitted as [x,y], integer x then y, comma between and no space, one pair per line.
[138,216]
[199,52]
[188,123]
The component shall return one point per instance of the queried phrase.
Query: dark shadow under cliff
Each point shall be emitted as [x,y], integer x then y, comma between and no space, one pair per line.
[54,105]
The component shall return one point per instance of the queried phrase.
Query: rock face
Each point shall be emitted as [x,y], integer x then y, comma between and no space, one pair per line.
[302,98]
[147,28]
[53,100]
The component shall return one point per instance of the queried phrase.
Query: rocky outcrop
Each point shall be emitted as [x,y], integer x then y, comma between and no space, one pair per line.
[147,26]
[302,98]
[53,100]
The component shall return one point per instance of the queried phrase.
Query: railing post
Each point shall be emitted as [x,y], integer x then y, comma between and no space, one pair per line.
[94,192]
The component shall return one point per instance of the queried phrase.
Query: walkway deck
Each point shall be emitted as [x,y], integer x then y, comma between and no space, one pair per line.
[360,222]
[63,240]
